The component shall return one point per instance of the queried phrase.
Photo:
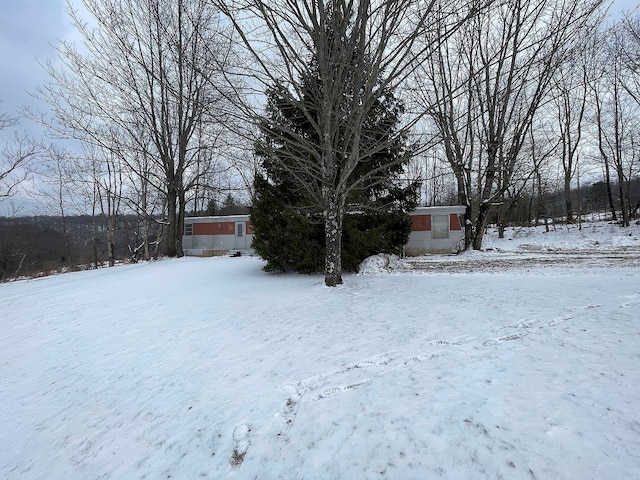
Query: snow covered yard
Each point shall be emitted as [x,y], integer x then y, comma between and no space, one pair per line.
[211,368]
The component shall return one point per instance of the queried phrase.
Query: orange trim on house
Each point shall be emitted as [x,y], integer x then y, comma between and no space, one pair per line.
[454,222]
[214,228]
[420,223]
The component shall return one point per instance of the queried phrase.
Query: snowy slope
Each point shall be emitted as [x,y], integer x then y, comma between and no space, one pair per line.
[594,236]
[211,368]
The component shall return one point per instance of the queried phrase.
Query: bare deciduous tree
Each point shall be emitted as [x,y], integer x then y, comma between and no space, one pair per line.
[54,190]
[631,54]
[149,71]
[14,157]
[570,101]
[486,84]
[617,115]
[359,51]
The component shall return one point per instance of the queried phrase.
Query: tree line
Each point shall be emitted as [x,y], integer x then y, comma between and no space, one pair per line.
[347,108]
[37,245]
[46,244]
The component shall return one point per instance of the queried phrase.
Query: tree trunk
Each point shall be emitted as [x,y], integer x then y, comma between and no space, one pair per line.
[67,239]
[182,205]
[567,196]
[111,250]
[94,245]
[144,217]
[501,217]
[94,236]
[172,219]
[468,226]
[617,154]
[145,237]
[463,199]
[623,200]
[540,205]
[481,225]
[333,216]
[603,154]
[612,206]
[485,205]
[111,240]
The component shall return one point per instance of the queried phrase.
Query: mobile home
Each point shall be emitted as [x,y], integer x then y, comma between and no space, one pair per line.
[433,230]
[436,230]
[208,236]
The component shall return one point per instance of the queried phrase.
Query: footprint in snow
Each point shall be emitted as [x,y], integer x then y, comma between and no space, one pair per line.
[377,361]
[496,341]
[463,340]
[509,338]
[241,443]
[422,357]
[332,391]
[558,320]
[290,409]
[412,361]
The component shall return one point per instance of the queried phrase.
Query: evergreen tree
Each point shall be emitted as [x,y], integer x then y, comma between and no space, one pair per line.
[288,226]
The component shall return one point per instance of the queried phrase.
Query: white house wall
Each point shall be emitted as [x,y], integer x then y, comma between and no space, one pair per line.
[421,242]
[217,235]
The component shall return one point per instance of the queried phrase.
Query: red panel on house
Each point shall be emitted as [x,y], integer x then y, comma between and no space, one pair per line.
[420,223]
[454,222]
[249,229]
[216,228]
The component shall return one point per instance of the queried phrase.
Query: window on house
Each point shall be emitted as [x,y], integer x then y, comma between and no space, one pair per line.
[439,226]
[188,229]
[239,230]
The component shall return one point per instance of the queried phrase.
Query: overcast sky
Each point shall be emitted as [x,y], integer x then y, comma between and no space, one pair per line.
[29,30]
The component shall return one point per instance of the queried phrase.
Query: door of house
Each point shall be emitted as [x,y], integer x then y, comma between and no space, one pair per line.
[241,236]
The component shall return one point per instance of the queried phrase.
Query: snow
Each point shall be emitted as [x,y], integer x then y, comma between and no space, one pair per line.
[495,364]
[381,264]
[592,236]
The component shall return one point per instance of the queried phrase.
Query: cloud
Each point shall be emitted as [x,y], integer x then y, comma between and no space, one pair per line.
[29,30]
